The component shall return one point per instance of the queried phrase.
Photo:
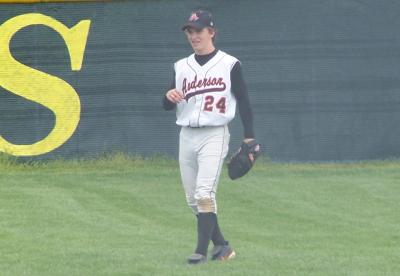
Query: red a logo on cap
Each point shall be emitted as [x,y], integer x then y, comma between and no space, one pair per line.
[193,17]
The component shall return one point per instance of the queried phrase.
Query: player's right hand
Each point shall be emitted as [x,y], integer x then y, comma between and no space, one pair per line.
[174,96]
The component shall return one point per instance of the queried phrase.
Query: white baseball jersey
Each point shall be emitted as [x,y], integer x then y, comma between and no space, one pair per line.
[207,91]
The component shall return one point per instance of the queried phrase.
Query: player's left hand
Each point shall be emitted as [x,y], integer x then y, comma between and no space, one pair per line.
[248,141]
[243,159]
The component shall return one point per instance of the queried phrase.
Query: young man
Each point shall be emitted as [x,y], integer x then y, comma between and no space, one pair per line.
[206,87]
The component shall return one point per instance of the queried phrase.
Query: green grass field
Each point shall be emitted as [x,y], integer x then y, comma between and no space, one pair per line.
[128,216]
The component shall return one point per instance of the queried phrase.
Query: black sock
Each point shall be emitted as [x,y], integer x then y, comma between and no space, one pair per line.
[205,227]
[217,237]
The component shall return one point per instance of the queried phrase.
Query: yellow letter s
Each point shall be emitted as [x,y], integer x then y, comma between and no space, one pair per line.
[47,90]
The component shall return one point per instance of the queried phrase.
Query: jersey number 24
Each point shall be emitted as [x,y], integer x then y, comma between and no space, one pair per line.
[209,104]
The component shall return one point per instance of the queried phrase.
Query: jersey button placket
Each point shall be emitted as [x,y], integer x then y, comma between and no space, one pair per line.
[199,100]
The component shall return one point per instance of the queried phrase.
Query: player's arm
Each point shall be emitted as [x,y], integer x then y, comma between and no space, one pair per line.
[239,90]
[172,97]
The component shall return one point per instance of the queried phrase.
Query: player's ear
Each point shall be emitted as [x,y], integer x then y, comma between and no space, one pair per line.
[212,31]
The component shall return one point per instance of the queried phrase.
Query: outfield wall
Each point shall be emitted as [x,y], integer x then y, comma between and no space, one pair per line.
[323,76]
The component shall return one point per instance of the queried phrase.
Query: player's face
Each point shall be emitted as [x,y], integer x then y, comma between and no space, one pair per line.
[201,40]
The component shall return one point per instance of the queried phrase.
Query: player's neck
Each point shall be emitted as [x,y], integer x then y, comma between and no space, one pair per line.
[212,53]
[205,51]
[203,59]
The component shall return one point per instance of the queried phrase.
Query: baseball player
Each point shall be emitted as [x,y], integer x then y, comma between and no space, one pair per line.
[206,88]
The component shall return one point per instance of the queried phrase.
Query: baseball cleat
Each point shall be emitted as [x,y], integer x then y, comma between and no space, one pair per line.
[196,259]
[222,253]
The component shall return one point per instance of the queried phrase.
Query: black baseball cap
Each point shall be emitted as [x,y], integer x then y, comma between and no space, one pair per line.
[199,20]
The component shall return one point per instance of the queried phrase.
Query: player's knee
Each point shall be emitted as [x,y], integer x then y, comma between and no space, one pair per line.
[206,205]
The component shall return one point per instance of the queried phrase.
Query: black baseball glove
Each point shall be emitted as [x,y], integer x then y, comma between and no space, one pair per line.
[243,159]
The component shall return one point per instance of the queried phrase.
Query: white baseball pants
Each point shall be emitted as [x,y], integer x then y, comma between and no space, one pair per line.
[201,156]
